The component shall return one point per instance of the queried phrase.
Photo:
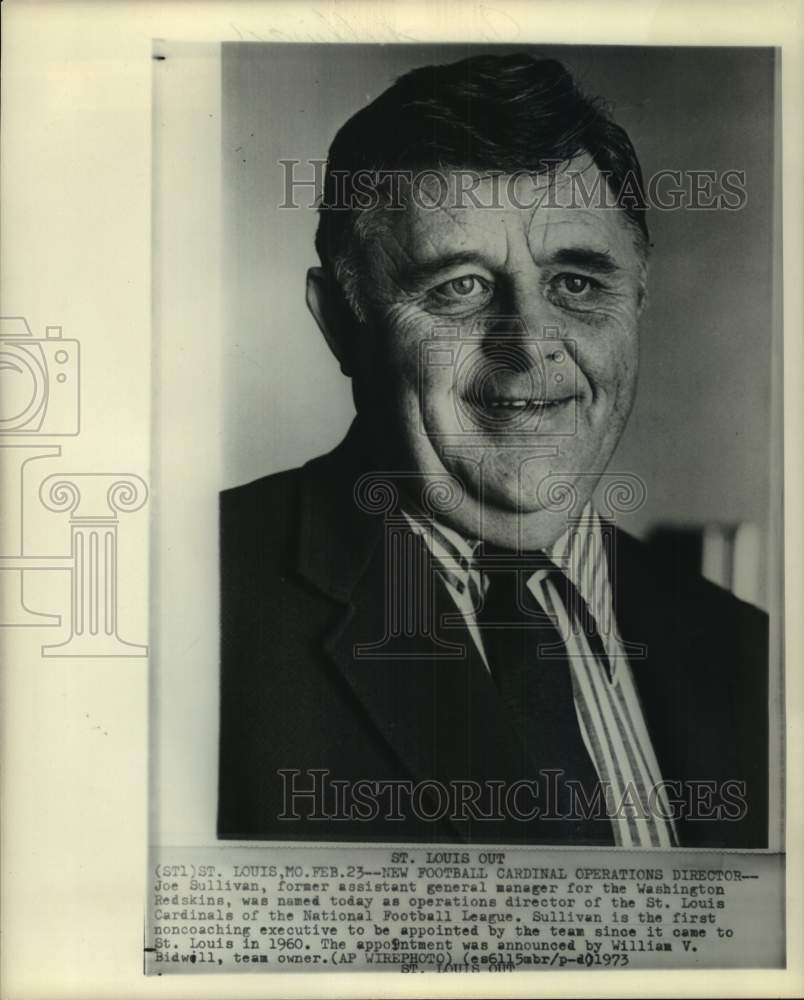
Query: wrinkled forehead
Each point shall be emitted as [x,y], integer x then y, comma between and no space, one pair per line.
[489,215]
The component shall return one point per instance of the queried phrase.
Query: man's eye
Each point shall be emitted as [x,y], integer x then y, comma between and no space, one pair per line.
[575,291]
[469,291]
[575,284]
[463,287]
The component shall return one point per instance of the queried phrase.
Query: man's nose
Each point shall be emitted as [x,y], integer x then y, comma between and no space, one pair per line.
[512,339]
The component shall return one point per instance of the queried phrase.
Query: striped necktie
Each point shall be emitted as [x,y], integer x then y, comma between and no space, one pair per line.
[528,662]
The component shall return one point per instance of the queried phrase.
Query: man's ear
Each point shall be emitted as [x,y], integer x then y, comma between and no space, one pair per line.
[642,291]
[642,300]
[335,319]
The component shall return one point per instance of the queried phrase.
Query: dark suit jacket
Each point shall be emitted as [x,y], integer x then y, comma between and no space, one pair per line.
[304,581]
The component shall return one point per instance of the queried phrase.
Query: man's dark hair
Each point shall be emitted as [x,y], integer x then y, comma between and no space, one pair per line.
[498,114]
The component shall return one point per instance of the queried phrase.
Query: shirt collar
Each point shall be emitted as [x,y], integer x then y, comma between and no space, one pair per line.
[454,554]
[578,551]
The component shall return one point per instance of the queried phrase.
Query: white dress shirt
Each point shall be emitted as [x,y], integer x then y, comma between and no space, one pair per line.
[606,701]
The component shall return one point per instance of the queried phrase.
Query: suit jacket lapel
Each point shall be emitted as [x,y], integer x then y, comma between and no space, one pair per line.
[673,675]
[423,686]
[418,677]
[436,706]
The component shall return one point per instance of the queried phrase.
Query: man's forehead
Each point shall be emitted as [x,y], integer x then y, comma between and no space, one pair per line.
[547,212]
[465,187]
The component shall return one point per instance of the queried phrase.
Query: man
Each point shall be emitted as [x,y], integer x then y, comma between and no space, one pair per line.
[430,633]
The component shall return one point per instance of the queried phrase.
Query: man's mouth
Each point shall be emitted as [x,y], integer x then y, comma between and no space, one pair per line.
[526,404]
[523,414]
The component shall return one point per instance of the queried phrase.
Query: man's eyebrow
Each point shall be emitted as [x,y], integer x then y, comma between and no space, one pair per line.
[416,271]
[592,260]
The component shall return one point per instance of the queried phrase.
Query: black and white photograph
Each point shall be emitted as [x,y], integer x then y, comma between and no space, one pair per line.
[401,550]
[500,558]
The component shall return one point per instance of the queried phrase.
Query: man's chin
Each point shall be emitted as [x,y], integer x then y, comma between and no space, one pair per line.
[510,509]
[531,486]
[508,526]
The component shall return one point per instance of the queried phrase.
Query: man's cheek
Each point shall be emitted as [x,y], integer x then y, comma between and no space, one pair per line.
[608,361]
[620,376]
[407,351]
[616,313]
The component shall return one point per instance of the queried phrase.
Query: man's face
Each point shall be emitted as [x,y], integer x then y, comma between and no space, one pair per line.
[501,343]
